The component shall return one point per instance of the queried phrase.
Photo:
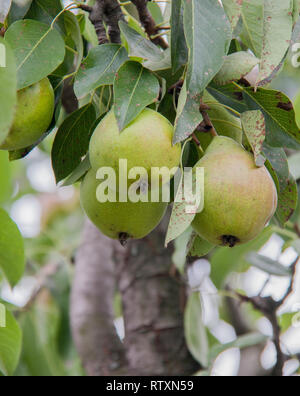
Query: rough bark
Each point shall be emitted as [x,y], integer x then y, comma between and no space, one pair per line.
[148,23]
[153,313]
[153,303]
[92,315]
[110,13]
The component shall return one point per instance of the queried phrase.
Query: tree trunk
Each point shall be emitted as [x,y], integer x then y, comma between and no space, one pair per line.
[152,300]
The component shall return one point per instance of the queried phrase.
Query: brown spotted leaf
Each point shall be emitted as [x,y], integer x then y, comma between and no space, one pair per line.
[188,115]
[278,26]
[287,194]
[282,129]
[233,10]
[253,25]
[235,67]
[185,209]
[254,126]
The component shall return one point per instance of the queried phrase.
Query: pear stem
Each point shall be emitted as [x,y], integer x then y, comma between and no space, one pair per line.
[207,122]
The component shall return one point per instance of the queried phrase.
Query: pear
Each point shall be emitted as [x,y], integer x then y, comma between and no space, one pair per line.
[240,198]
[145,143]
[34,112]
[119,220]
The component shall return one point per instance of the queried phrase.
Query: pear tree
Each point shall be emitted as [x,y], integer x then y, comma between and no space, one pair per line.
[171,124]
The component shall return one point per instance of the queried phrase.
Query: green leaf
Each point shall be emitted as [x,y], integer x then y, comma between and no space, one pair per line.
[286,321]
[296,10]
[87,29]
[179,48]
[99,68]
[72,141]
[10,344]
[225,123]
[267,265]
[45,11]
[156,12]
[279,113]
[8,96]
[233,9]
[195,331]
[140,46]
[163,64]
[12,256]
[229,95]
[179,256]
[78,172]
[5,177]
[73,30]
[254,126]
[4,9]
[287,194]
[278,26]
[199,247]
[208,36]
[188,115]
[226,260]
[242,342]
[38,50]
[134,88]
[18,10]
[41,326]
[235,67]
[253,25]
[184,212]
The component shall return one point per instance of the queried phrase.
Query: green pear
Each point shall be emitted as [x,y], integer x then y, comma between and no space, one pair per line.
[34,112]
[119,220]
[240,198]
[145,143]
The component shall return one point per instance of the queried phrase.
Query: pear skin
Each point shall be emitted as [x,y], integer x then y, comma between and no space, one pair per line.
[145,143]
[240,198]
[119,220]
[34,112]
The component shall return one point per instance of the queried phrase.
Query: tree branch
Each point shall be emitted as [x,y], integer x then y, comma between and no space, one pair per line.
[149,23]
[92,314]
[110,13]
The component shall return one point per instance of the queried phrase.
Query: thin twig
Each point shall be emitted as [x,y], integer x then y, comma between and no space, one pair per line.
[269,308]
[292,283]
[196,140]
[207,122]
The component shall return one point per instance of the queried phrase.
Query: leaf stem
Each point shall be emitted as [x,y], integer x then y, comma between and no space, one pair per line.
[225,107]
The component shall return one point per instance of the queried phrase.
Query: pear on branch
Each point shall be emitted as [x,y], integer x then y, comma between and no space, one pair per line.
[240,198]
[119,220]
[34,112]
